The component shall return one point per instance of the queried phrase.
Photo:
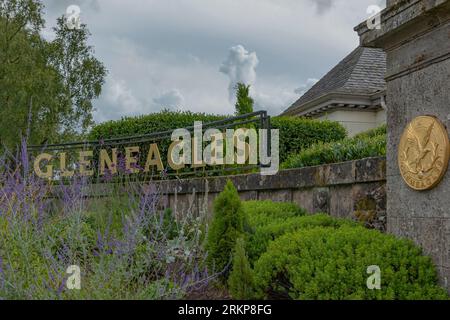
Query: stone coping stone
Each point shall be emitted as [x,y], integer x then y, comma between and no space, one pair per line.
[345,173]
[400,13]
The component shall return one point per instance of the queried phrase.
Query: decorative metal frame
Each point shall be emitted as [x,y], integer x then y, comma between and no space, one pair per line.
[258,118]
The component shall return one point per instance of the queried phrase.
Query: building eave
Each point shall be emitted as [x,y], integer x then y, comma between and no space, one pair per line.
[334,101]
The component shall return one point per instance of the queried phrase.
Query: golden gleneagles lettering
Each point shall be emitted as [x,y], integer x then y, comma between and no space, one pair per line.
[241,146]
[107,162]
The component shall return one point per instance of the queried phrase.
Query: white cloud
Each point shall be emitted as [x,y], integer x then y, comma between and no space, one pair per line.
[59,7]
[155,80]
[118,100]
[240,67]
[172,99]
[323,5]
[274,103]
[152,47]
[302,89]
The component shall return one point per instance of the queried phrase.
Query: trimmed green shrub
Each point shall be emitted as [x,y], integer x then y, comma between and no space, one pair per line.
[240,282]
[227,226]
[262,234]
[260,213]
[326,263]
[155,122]
[297,134]
[340,151]
[164,121]
[381,130]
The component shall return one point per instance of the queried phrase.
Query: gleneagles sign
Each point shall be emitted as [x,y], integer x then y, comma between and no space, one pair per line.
[240,146]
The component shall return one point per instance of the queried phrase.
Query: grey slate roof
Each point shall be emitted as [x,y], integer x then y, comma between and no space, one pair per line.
[361,72]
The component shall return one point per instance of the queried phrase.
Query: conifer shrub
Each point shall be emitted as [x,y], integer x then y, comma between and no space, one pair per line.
[327,263]
[240,282]
[226,227]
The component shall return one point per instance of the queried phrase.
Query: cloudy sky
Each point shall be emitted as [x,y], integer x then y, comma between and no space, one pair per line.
[188,54]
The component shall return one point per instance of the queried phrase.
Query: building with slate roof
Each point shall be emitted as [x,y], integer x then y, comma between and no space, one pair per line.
[352,93]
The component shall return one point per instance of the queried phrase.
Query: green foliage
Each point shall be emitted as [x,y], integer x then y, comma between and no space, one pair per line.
[259,213]
[262,233]
[241,282]
[244,103]
[108,216]
[81,74]
[327,263]
[34,257]
[379,131]
[75,234]
[297,134]
[363,146]
[227,226]
[47,87]
[156,122]
[164,121]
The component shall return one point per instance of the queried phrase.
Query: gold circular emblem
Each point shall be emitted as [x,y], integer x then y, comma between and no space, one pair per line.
[423,153]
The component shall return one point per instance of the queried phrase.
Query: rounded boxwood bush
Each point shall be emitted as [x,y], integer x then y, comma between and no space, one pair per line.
[260,237]
[260,213]
[327,263]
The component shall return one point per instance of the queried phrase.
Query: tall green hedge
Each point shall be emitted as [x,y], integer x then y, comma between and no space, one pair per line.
[366,145]
[297,134]
[379,131]
[155,122]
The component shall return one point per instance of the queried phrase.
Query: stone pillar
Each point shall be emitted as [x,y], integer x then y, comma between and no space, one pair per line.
[416,37]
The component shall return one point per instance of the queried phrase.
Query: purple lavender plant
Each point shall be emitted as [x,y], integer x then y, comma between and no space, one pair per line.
[126,244]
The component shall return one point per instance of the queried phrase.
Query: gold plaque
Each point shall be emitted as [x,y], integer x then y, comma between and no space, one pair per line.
[423,153]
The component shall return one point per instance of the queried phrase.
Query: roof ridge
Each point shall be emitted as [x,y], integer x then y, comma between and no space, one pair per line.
[343,62]
[355,65]
[361,71]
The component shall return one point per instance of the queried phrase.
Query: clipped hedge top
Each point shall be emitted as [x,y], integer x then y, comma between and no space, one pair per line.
[381,130]
[297,134]
[365,145]
[146,124]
